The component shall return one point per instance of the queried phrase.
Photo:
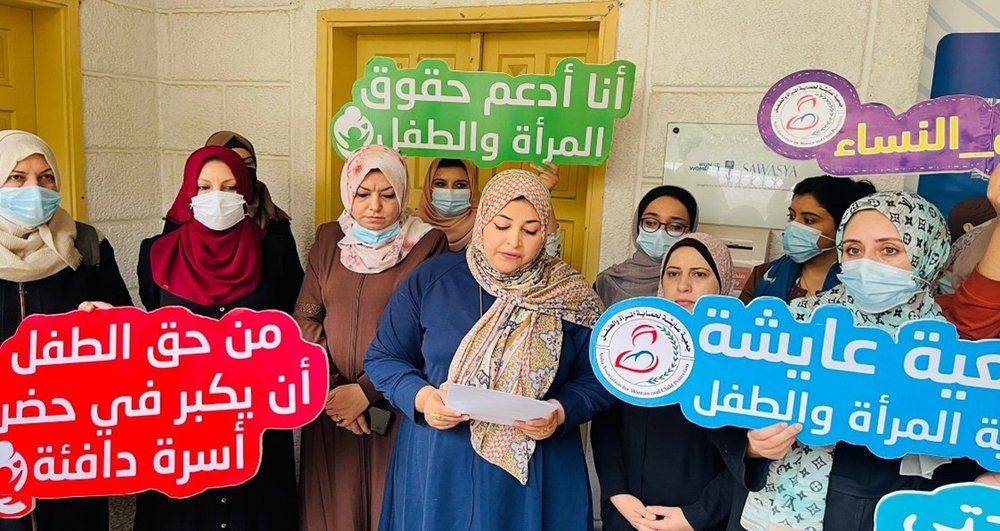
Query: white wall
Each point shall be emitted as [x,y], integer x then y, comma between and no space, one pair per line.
[186,68]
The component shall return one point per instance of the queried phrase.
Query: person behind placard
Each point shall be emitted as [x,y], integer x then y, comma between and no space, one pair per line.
[49,264]
[809,265]
[217,259]
[353,268]
[658,470]
[502,316]
[665,214]
[892,246]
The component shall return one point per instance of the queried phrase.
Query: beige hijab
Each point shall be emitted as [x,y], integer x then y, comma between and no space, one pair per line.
[458,228]
[33,253]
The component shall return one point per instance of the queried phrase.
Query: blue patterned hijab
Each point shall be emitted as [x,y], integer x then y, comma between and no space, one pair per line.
[795,494]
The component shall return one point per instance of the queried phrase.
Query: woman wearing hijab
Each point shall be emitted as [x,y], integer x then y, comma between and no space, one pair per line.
[506,317]
[262,208]
[353,268]
[653,463]
[449,200]
[49,264]
[216,260]
[809,265]
[665,214]
[892,245]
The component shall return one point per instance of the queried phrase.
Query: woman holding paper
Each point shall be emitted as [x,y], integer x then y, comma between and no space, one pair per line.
[809,265]
[218,258]
[665,214]
[50,264]
[353,268]
[658,470]
[505,317]
[892,246]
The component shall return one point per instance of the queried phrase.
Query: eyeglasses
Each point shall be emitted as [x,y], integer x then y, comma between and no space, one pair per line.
[673,228]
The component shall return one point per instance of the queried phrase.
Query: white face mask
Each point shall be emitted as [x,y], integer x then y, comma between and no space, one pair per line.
[218,210]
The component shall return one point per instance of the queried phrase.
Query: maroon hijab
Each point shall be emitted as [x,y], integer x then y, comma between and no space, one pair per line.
[205,266]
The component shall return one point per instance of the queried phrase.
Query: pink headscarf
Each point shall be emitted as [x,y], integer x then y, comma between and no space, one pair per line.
[356,255]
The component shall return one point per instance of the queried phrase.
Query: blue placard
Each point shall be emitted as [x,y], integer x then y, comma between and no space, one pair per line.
[961,507]
[924,391]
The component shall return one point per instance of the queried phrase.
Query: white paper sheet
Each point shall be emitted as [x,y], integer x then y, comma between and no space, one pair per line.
[495,406]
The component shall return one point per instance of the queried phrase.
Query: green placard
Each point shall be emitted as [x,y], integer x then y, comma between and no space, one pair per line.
[487,117]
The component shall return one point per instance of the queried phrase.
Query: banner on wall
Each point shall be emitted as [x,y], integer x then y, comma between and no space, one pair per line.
[736,179]
[566,117]
[755,366]
[818,114]
[120,401]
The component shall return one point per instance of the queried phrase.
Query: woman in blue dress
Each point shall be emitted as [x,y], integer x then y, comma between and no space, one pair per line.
[501,316]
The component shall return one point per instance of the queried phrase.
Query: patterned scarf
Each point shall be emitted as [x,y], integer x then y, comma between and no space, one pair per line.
[515,346]
[795,494]
[356,255]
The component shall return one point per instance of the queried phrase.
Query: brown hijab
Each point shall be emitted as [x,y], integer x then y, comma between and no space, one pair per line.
[262,209]
[457,228]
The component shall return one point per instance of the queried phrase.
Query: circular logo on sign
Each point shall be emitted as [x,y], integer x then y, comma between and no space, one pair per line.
[808,114]
[641,353]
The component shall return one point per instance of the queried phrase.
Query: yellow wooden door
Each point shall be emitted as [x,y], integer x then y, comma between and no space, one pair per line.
[539,53]
[459,50]
[17,78]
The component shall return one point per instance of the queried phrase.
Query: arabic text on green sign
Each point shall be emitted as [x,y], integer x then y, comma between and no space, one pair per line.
[487,117]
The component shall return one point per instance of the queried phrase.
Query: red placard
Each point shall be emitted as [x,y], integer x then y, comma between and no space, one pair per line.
[121,401]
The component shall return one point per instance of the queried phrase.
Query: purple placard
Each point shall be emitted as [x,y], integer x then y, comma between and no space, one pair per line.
[818,114]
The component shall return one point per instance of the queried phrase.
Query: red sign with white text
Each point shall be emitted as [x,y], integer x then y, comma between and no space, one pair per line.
[120,401]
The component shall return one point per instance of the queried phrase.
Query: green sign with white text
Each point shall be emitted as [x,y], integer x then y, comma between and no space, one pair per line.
[487,117]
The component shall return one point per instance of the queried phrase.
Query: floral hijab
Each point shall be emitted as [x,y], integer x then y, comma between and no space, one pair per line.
[361,257]
[515,346]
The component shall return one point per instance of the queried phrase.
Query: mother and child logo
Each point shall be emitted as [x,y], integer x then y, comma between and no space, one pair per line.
[13,474]
[641,353]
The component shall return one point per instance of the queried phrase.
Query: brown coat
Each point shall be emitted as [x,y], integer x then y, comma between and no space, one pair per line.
[342,474]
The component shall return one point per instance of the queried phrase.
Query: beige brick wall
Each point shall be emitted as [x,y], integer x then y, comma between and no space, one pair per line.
[185,68]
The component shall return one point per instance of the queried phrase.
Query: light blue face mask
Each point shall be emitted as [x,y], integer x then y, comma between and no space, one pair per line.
[28,206]
[655,244]
[876,287]
[376,238]
[801,242]
[451,202]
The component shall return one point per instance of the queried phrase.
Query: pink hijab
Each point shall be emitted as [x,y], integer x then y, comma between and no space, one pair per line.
[356,255]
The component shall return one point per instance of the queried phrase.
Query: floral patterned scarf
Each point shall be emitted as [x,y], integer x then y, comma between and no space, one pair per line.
[515,346]
[358,256]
